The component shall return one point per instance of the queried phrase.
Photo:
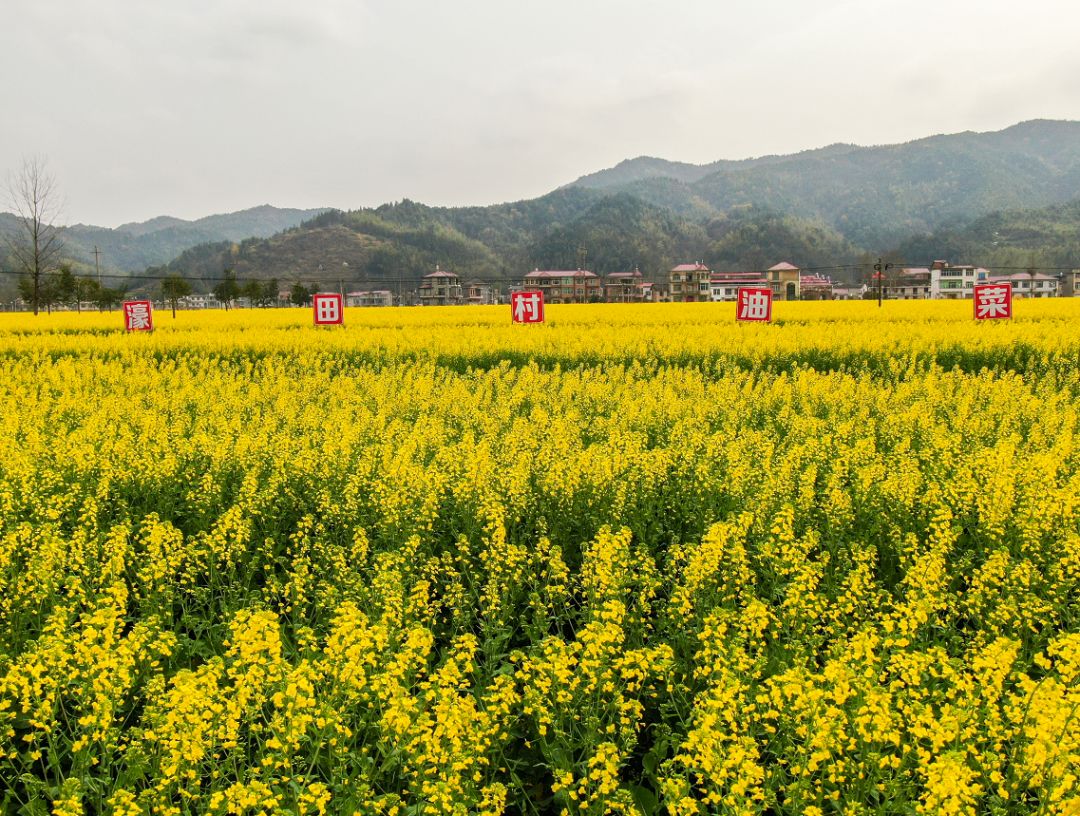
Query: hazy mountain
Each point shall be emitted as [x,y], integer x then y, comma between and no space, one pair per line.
[875,196]
[135,246]
[396,244]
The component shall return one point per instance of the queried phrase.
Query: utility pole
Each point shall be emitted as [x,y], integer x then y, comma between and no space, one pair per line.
[879,272]
[97,263]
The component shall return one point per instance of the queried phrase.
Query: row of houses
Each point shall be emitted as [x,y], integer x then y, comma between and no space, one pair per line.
[687,283]
[945,281]
[696,282]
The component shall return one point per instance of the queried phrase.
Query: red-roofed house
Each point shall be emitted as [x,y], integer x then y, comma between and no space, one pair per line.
[815,287]
[724,286]
[441,288]
[1025,285]
[690,283]
[562,286]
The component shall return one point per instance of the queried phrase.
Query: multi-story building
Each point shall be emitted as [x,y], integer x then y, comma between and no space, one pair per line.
[914,283]
[815,287]
[376,297]
[441,288]
[624,287]
[958,282]
[1070,284]
[479,293]
[1026,285]
[562,286]
[785,280]
[207,301]
[724,286]
[848,292]
[690,283]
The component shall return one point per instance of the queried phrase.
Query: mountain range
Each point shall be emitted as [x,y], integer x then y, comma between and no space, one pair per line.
[1010,197]
[135,246]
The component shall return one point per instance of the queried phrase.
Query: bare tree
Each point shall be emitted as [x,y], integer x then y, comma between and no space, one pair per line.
[36,246]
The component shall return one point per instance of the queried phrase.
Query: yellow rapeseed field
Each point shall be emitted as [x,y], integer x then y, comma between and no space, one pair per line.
[639,559]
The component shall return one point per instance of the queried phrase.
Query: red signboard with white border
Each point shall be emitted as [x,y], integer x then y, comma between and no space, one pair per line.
[138,315]
[527,307]
[754,304]
[328,309]
[993,301]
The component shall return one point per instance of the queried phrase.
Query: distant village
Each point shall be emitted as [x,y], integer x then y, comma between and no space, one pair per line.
[697,283]
[685,283]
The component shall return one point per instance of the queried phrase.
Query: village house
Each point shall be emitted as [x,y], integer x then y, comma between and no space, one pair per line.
[690,283]
[785,280]
[207,301]
[1070,284]
[946,281]
[573,286]
[375,297]
[958,282]
[624,287]
[848,292]
[441,288]
[913,283]
[724,286]
[478,293]
[1026,285]
[815,287]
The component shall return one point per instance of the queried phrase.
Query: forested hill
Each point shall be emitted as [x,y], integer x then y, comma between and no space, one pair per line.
[135,246]
[1044,238]
[397,243]
[874,196]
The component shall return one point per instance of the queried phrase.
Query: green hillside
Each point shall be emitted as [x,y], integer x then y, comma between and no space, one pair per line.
[135,246]
[1046,238]
[395,245]
[876,196]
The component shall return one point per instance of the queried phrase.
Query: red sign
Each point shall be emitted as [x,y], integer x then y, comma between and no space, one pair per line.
[527,307]
[328,310]
[138,315]
[755,303]
[993,301]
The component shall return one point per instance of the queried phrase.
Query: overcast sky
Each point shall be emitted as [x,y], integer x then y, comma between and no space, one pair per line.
[193,107]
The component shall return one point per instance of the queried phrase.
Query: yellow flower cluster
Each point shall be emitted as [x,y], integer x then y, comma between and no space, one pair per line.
[638,559]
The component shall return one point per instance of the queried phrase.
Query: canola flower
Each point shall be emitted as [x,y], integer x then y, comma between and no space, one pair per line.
[639,559]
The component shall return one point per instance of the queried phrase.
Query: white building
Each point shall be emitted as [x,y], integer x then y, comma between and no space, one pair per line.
[958,282]
[1025,285]
[377,297]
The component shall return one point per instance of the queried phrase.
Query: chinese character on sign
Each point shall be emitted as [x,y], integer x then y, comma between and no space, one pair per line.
[138,315]
[755,303]
[328,311]
[527,307]
[993,300]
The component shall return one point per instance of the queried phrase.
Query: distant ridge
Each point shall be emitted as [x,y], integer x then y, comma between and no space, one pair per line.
[137,245]
[875,195]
